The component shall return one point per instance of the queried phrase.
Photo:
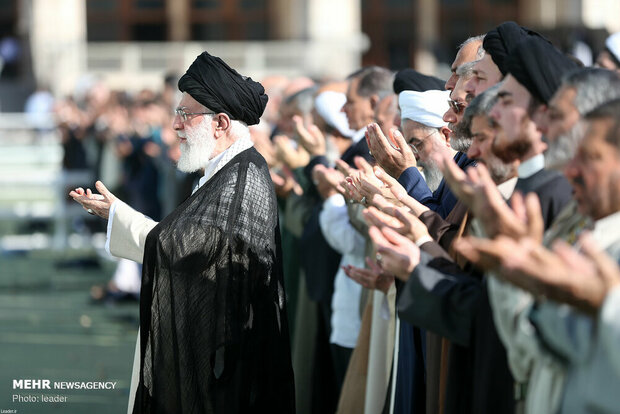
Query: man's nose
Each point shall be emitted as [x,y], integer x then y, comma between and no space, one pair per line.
[473,152]
[177,123]
[449,116]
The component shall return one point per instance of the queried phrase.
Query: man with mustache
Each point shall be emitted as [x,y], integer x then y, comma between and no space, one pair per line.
[213,323]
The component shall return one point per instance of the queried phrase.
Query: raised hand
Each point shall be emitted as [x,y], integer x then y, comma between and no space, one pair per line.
[396,254]
[399,193]
[393,155]
[292,157]
[371,278]
[311,138]
[402,222]
[97,204]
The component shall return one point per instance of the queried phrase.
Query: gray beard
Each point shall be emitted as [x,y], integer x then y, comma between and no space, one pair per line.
[432,174]
[563,148]
[459,141]
[196,151]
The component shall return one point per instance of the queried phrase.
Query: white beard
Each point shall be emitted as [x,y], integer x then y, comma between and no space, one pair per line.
[432,174]
[198,148]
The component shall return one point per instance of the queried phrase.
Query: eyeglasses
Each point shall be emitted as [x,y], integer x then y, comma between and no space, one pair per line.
[419,143]
[456,106]
[181,112]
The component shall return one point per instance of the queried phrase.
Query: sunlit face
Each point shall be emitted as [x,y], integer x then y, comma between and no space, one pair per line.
[595,172]
[197,142]
[424,144]
[562,114]
[465,54]
[359,109]
[516,131]
[486,74]
[386,113]
[483,134]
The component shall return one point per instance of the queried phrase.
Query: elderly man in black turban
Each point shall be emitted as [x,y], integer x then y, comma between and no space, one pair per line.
[213,325]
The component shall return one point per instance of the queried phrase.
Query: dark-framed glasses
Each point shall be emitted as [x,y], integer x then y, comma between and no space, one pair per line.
[181,112]
[456,106]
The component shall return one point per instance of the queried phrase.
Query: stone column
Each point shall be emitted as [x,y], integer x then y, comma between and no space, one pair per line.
[178,23]
[58,42]
[427,19]
[335,33]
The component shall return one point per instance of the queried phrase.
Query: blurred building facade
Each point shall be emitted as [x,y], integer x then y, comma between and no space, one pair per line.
[132,43]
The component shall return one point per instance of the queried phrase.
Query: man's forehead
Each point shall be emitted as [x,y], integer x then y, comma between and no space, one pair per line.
[187,101]
[511,87]
[479,124]
[466,54]
[565,96]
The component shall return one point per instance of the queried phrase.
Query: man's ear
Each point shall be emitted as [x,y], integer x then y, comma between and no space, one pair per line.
[222,125]
[374,101]
[445,131]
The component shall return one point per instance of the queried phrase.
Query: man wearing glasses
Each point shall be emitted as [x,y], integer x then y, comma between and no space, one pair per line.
[213,323]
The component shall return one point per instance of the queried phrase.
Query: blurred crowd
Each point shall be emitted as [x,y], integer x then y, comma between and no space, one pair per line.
[450,246]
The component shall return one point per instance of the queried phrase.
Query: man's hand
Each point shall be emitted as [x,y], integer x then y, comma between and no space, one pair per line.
[396,254]
[399,193]
[564,275]
[98,204]
[403,222]
[395,155]
[367,183]
[311,139]
[477,190]
[328,181]
[294,158]
[284,182]
[371,278]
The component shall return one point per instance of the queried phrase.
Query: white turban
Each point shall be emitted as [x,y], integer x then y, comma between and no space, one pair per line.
[426,108]
[613,44]
[328,105]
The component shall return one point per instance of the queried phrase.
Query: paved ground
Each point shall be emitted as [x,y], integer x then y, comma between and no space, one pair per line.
[49,329]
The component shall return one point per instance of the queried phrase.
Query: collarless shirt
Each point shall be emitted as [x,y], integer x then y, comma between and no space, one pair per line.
[531,166]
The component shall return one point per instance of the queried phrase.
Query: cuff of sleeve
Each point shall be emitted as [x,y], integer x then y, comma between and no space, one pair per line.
[109,229]
[424,239]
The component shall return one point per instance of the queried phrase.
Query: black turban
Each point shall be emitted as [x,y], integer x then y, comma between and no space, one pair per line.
[412,80]
[539,67]
[500,42]
[213,83]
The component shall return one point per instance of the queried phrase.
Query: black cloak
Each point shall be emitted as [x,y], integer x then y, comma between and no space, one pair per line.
[213,323]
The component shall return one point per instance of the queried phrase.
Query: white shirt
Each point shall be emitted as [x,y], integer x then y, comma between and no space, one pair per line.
[531,166]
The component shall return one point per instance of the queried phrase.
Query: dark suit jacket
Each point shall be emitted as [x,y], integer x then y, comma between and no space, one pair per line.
[441,297]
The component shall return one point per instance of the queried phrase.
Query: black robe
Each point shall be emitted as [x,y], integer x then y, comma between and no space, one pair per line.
[213,323]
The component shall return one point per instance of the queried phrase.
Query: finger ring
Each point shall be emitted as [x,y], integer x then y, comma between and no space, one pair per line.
[363,200]
[351,201]
[379,258]
[90,211]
